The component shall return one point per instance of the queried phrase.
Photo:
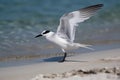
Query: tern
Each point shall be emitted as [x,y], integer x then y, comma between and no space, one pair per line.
[65,34]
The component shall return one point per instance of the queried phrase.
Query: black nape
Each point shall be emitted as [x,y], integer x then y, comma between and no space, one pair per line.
[47,31]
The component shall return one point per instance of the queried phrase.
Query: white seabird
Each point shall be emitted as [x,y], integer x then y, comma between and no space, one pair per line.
[65,34]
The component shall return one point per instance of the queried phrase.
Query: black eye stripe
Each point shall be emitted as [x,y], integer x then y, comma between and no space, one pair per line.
[47,31]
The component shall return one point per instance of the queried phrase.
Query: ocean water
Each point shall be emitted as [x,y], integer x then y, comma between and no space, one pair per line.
[22,20]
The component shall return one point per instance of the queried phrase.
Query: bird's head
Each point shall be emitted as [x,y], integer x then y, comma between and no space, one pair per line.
[44,33]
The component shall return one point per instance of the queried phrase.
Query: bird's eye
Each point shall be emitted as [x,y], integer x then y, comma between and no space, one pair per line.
[47,31]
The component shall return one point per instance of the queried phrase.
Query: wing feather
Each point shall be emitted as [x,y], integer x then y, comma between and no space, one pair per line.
[68,22]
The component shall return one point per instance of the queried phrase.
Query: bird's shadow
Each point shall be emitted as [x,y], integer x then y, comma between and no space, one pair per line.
[53,59]
[56,59]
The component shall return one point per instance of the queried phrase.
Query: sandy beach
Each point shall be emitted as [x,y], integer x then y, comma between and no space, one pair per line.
[88,66]
[95,23]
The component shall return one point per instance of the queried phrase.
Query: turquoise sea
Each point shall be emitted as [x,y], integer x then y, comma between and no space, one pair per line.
[22,20]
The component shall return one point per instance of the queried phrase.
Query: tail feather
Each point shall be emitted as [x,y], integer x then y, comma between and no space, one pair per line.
[86,46]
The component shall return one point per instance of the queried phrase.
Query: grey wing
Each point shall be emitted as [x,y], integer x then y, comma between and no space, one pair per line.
[68,22]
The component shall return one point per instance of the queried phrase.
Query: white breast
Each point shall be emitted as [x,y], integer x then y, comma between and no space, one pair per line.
[63,43]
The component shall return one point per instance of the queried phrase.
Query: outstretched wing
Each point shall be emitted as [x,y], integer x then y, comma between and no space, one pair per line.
[68,22]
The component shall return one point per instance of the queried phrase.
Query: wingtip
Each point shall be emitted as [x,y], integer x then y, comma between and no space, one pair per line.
[93,7]
[100,5]
[97,5]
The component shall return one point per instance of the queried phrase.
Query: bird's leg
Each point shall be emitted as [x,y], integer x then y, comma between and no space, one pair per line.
[65,55]
[63,59]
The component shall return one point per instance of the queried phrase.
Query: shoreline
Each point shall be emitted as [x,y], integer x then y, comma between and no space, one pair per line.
[43,57]
[88,61]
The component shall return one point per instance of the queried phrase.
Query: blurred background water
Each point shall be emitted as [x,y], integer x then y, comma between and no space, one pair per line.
[22,20]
